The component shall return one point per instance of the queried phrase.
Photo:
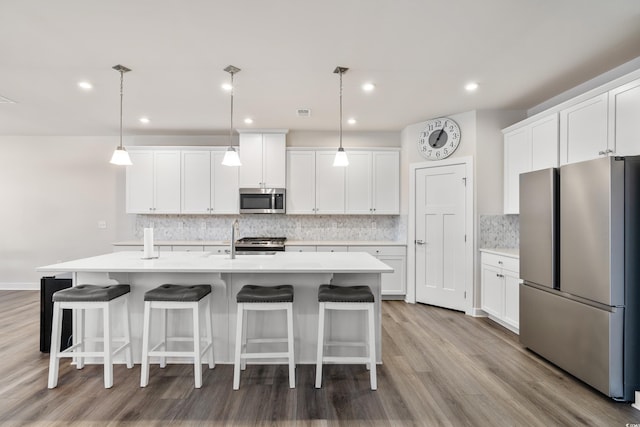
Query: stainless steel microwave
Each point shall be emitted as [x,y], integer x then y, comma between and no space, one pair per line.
[262,200]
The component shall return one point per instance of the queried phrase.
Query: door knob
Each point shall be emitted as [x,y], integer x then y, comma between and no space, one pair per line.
[420,242]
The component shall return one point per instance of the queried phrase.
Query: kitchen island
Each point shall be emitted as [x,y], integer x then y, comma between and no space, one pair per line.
[305,271]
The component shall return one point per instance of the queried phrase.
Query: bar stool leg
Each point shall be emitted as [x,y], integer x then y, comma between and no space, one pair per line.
[56,332]
[144,371]
[108,355]
[163,334]
[236,361]
[197,361]
[209,322]
[320,345]
[127,333]
[80,316]
[292,363]
[372,347]
[245,337]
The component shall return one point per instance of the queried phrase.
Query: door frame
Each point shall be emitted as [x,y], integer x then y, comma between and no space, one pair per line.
[467,161]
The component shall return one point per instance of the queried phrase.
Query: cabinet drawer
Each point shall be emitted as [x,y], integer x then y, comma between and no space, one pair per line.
[508,263]
[188,248]
[218,250]
[300,248]
[379,250]
[331,248]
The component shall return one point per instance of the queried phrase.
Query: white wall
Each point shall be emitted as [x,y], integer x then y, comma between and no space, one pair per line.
[54,190]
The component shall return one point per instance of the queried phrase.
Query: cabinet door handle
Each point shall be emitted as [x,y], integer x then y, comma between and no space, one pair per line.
[499,275]
[420,242]
[500,262]
[601,153]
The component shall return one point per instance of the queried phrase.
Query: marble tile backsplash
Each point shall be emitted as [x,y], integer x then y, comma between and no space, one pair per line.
[499,231]
[293,227]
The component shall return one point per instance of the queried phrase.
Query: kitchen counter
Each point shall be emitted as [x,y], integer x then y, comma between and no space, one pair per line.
[287,243]
[510,252]
[305,271]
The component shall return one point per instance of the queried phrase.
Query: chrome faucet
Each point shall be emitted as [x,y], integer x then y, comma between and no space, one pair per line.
[235,228]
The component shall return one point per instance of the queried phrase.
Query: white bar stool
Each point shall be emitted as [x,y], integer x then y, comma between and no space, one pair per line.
[333,297]
[263,298]
[90,297]
[178,297]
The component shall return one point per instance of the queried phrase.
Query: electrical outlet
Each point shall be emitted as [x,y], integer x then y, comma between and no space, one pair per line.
[102,224]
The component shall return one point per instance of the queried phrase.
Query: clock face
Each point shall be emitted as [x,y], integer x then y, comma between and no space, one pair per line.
[439,139]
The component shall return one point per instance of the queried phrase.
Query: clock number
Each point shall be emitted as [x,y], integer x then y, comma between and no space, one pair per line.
[424,148]
[437,154]
[445,151]
[429,152]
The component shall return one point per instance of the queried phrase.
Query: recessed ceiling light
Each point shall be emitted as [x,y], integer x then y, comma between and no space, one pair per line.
[144,120]
[470,87]
[248,120]
[351,121]
[227,86]
[85,85]
[368,87]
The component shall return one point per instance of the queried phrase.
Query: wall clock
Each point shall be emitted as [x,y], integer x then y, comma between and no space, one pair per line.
[439,139]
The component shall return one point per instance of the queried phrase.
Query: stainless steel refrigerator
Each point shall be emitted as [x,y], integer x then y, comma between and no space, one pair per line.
[580,265]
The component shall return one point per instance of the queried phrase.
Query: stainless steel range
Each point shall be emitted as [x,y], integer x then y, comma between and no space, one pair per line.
[260,245]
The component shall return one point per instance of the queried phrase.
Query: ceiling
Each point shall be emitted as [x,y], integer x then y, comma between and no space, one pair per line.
[418,53]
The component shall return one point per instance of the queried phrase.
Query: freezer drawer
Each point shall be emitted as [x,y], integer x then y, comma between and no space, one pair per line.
[583,340]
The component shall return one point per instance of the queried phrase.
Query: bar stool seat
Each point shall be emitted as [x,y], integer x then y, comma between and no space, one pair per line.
[263,298]
[85,297]
[332,297]
[196,298]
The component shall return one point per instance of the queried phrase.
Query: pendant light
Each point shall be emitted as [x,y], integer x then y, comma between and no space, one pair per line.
[120,156]
[341,156]
[231,157]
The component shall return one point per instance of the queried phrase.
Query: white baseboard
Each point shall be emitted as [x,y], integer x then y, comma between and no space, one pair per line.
[477,312]
[25,286]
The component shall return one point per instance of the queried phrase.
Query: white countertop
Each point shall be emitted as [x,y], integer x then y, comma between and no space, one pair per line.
[287,243]
[510,252]
[206,262]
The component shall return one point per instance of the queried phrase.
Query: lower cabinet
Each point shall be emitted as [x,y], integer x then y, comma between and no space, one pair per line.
[393,284]
[500,280]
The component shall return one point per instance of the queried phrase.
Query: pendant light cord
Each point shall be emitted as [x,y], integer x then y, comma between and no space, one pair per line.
[231,119]
[341,109]
[121,96]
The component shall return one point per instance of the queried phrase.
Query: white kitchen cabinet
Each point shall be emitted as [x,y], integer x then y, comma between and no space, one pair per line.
[300,248]
[263,157]
[331,248]
[624,119]
[393,284]
[500,288]
[330,184]
[584,130]
[301,182]
[531,147]
[207,186]
[386,182]
[218,249]
[153,182]
[373,183]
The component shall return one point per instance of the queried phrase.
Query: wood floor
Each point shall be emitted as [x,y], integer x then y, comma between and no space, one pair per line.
[439,368]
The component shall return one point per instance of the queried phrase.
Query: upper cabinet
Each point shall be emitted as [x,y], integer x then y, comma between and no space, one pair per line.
[624,119]
[263,157]
[208,187]
[369,185]
[583,130]
[301,182]
[153,182]
[373,183]
[530,147]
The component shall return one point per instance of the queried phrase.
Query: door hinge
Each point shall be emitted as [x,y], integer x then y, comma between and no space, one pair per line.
[465,237]
[464,180]
[465,294]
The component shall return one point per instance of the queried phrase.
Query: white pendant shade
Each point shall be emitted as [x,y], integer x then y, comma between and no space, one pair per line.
[341,158]
[231,158]
[121,157]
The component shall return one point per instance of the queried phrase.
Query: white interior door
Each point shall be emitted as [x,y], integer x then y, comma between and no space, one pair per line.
[440,231]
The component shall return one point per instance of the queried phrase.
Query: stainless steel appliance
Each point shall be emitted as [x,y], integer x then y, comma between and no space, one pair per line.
[579,249]
[262,200]
[260,245]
